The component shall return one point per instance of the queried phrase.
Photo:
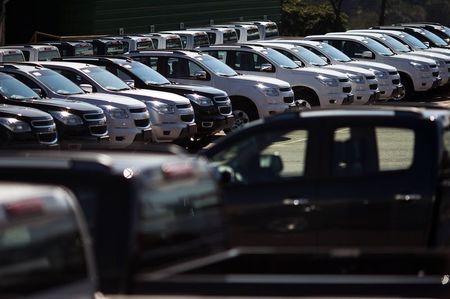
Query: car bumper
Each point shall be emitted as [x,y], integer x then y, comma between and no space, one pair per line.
[210,126]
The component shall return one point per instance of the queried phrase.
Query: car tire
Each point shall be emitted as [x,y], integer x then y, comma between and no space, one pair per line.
[307,95]
[409,88]
[243,114]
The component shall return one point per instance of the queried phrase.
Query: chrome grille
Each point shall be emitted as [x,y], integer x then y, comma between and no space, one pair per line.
[42,123]
[187,118]
[344,80]
[370,77]
[221,99]
[393,73]
[184,106]
[285,89]
[93,116]
[138,110]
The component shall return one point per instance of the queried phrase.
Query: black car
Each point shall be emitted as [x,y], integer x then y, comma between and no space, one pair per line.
[29,127]
[107,46]
[77,123]
[73,48]
[212,106]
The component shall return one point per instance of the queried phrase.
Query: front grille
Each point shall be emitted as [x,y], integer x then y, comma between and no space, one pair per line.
[93,116]
[288,100]
[187,118]
[396,81]
[433,66]
[138,110]
[98,130]
[220,99]
[225,110]
[344,80]
[142,123]
[393,73]
[47,137]
[435,74]
[347,89]
[373,86]
[285,89]
[370,77]
[184,106]
[42,123]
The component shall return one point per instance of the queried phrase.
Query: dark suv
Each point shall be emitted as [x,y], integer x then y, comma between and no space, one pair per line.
[212,106]
[78,123]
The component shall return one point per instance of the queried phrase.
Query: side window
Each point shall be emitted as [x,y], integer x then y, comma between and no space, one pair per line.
[265,157]
[74,77]
[177,68]
[369,150]
[353,49]
[318,54]
[122,75]
[193,68]
[291,57]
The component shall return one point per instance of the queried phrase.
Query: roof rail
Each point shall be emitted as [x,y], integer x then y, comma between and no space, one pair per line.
[29,63]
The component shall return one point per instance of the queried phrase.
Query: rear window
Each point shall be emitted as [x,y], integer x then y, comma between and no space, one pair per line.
[252,34]
[13,57]
[201,40]
[48,55]
[142,46]
[230,37]
[174,43]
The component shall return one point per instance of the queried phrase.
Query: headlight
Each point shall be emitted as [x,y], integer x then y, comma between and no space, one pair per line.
[115,112]
[67,118]
[356,78]
[199,100]
[162,107]
[381,74]
[15,125]
[332,82]
[420,66]
[268,91]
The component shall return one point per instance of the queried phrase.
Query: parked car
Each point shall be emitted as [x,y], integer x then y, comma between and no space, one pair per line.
[171,116]
[387,76]
[212,107]
[427,37]
[245,32]
[103,46]
[26,127]
[77,123]
[36,52]
[318,87]
[45,249]
[191,39]
[128,119]
[165,40]
[134,42]
[443,60]
[436,28]
[218,36]
[7,55]
[162,206]
[416,73]
[252,97]
[73,48]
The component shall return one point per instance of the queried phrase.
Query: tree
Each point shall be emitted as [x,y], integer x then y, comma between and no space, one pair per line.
[337,8]
[382,12]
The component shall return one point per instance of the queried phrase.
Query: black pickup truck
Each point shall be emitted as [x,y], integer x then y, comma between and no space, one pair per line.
[77,123]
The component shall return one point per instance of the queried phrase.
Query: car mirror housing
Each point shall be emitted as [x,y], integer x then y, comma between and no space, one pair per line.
[266,67]
[87,88]
[200,75]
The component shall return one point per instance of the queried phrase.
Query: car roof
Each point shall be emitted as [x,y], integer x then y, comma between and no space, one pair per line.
[25,67]
[249,46]
[67,64]
[184,52]
[337,36]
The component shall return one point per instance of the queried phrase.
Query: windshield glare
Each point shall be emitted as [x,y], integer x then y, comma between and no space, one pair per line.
[146,73]
[280,59]
[434,38]
[377,47]
[48,55]
[415,42]
[309,56]
[57,82]
[174,43]
[105,79]
[216,66]
[201,40]
[334,53]
[14,89]
[395,44]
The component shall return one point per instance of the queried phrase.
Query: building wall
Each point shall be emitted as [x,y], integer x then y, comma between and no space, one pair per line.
[85,17]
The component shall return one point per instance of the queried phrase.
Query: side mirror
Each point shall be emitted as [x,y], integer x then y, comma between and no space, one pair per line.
[427,44]
[130,83]
[38,91]
[367,54]
[200,75]
[271,162]
[88,88]
[299,63]
[266,67]
[324,58]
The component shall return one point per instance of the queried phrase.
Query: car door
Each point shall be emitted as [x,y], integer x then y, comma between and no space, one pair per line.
[378,187]
[269,185]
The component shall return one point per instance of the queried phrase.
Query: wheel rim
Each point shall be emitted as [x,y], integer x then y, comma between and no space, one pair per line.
[240,119]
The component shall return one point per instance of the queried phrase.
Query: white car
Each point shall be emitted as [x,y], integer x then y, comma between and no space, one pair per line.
[416,73]
[165,40]
[364,82]
[36,52]
[245,32]
[388,77]
[171,115]
[252,97]
[318,87]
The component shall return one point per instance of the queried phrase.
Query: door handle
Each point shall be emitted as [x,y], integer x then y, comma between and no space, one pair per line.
[296,201]
[407,197]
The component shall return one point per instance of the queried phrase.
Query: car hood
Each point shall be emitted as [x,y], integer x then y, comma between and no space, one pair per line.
[151,95]
[350,69]
[373,65]
[61,104]
[260,79]
[197,89]
[432,55]
[414,58]
[12,111]
[100,99]
[322,71]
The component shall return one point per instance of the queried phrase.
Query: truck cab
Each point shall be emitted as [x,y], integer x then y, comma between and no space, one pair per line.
[165,40]
[134,42]
[191,39]
[8,55]
[218,36]
[36,52]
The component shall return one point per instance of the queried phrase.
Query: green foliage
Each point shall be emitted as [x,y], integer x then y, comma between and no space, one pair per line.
[300,19]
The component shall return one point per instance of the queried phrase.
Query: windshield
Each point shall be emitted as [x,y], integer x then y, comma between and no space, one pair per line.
[57,82]
[174,43]
[271,30]
[377,47]
[230,37]
[309,56]
[280,59]
[143,46]
[201,40]
[395,44]
[253,34]
[115,49]
[14,89]
[105,79]
[216,66]
[84,50]
[334,53]
[12,57]
[413,41]
[146,73]
[434,38]
[48,55]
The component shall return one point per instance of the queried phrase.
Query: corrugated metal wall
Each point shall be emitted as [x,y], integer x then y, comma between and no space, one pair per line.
[138,15]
